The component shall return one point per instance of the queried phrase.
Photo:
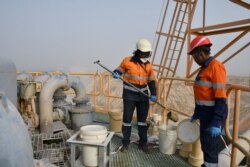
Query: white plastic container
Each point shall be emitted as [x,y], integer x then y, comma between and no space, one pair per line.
[188,132]
[94,134]
[167,139]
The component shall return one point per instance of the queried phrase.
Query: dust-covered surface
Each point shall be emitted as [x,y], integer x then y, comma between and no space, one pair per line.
[180,98]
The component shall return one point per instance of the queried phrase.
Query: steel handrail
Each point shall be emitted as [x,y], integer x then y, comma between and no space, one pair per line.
[235,139]
[160,92]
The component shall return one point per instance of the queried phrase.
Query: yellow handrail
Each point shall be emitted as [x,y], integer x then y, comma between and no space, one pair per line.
[235,139]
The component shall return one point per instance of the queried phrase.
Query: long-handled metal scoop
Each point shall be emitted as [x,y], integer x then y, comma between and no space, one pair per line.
[170,115]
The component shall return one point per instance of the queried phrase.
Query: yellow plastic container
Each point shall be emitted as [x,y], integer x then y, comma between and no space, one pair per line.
[115,120]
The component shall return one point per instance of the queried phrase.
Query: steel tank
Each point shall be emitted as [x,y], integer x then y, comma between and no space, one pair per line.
[15,143]
[8,79]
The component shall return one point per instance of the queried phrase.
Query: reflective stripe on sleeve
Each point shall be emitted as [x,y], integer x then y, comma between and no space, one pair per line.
[219,85]
[203,83]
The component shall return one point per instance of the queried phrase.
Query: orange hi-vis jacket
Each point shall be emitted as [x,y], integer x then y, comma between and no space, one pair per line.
[141,75]
[135,73]
[210,94]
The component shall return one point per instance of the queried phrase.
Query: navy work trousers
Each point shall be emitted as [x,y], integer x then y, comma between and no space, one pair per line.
[142,112]
[209,145]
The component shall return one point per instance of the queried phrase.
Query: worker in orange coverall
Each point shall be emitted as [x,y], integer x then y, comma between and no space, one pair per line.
[138,71]
[210,98]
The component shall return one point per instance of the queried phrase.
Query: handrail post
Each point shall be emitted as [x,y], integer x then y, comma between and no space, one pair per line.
[235,127]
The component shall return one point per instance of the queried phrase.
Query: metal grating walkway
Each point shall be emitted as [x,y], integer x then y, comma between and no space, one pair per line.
[52,147]
[137,158]
[55,149]
[59,154]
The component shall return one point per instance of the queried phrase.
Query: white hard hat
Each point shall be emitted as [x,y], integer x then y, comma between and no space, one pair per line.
[144,45]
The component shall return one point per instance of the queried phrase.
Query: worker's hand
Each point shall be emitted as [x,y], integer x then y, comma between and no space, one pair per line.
[116,75]
[215,132]
[153,98]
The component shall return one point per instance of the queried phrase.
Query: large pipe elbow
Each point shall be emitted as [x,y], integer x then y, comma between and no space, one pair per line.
[46,102]
[79,88]
[46,98]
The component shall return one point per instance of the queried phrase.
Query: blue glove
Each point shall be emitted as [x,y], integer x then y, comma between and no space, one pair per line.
[153,98]
[215,132]
[116,75]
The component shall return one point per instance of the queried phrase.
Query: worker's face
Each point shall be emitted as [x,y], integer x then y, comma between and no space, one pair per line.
[144,54]
[199,57]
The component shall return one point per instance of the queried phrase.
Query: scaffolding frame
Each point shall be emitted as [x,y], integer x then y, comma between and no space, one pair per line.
[241,26]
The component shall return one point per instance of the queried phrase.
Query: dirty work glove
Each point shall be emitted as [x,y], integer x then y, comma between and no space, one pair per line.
[215,132]
[116,75]
[153,98]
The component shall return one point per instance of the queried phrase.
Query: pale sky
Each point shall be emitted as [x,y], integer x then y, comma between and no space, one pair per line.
[70,35]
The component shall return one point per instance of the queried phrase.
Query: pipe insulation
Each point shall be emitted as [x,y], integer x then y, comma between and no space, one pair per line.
[225,157]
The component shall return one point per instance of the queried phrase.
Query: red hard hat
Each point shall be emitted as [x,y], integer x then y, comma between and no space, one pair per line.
[199,41]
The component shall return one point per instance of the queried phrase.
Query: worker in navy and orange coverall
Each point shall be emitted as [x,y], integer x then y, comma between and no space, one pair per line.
[137,71]
[210,98]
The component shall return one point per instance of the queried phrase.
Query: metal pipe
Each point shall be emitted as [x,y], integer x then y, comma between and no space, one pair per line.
[36,118]
[224,155]
[46,102]
[80,90]
[46,98]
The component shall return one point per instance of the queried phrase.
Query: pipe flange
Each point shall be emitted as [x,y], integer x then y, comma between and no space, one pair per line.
[83,100]
[59,96]
[77,110]
[80,110]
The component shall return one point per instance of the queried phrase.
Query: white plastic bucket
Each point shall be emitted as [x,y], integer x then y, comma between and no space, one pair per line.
[115,120]
[167,139]
[92,134]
